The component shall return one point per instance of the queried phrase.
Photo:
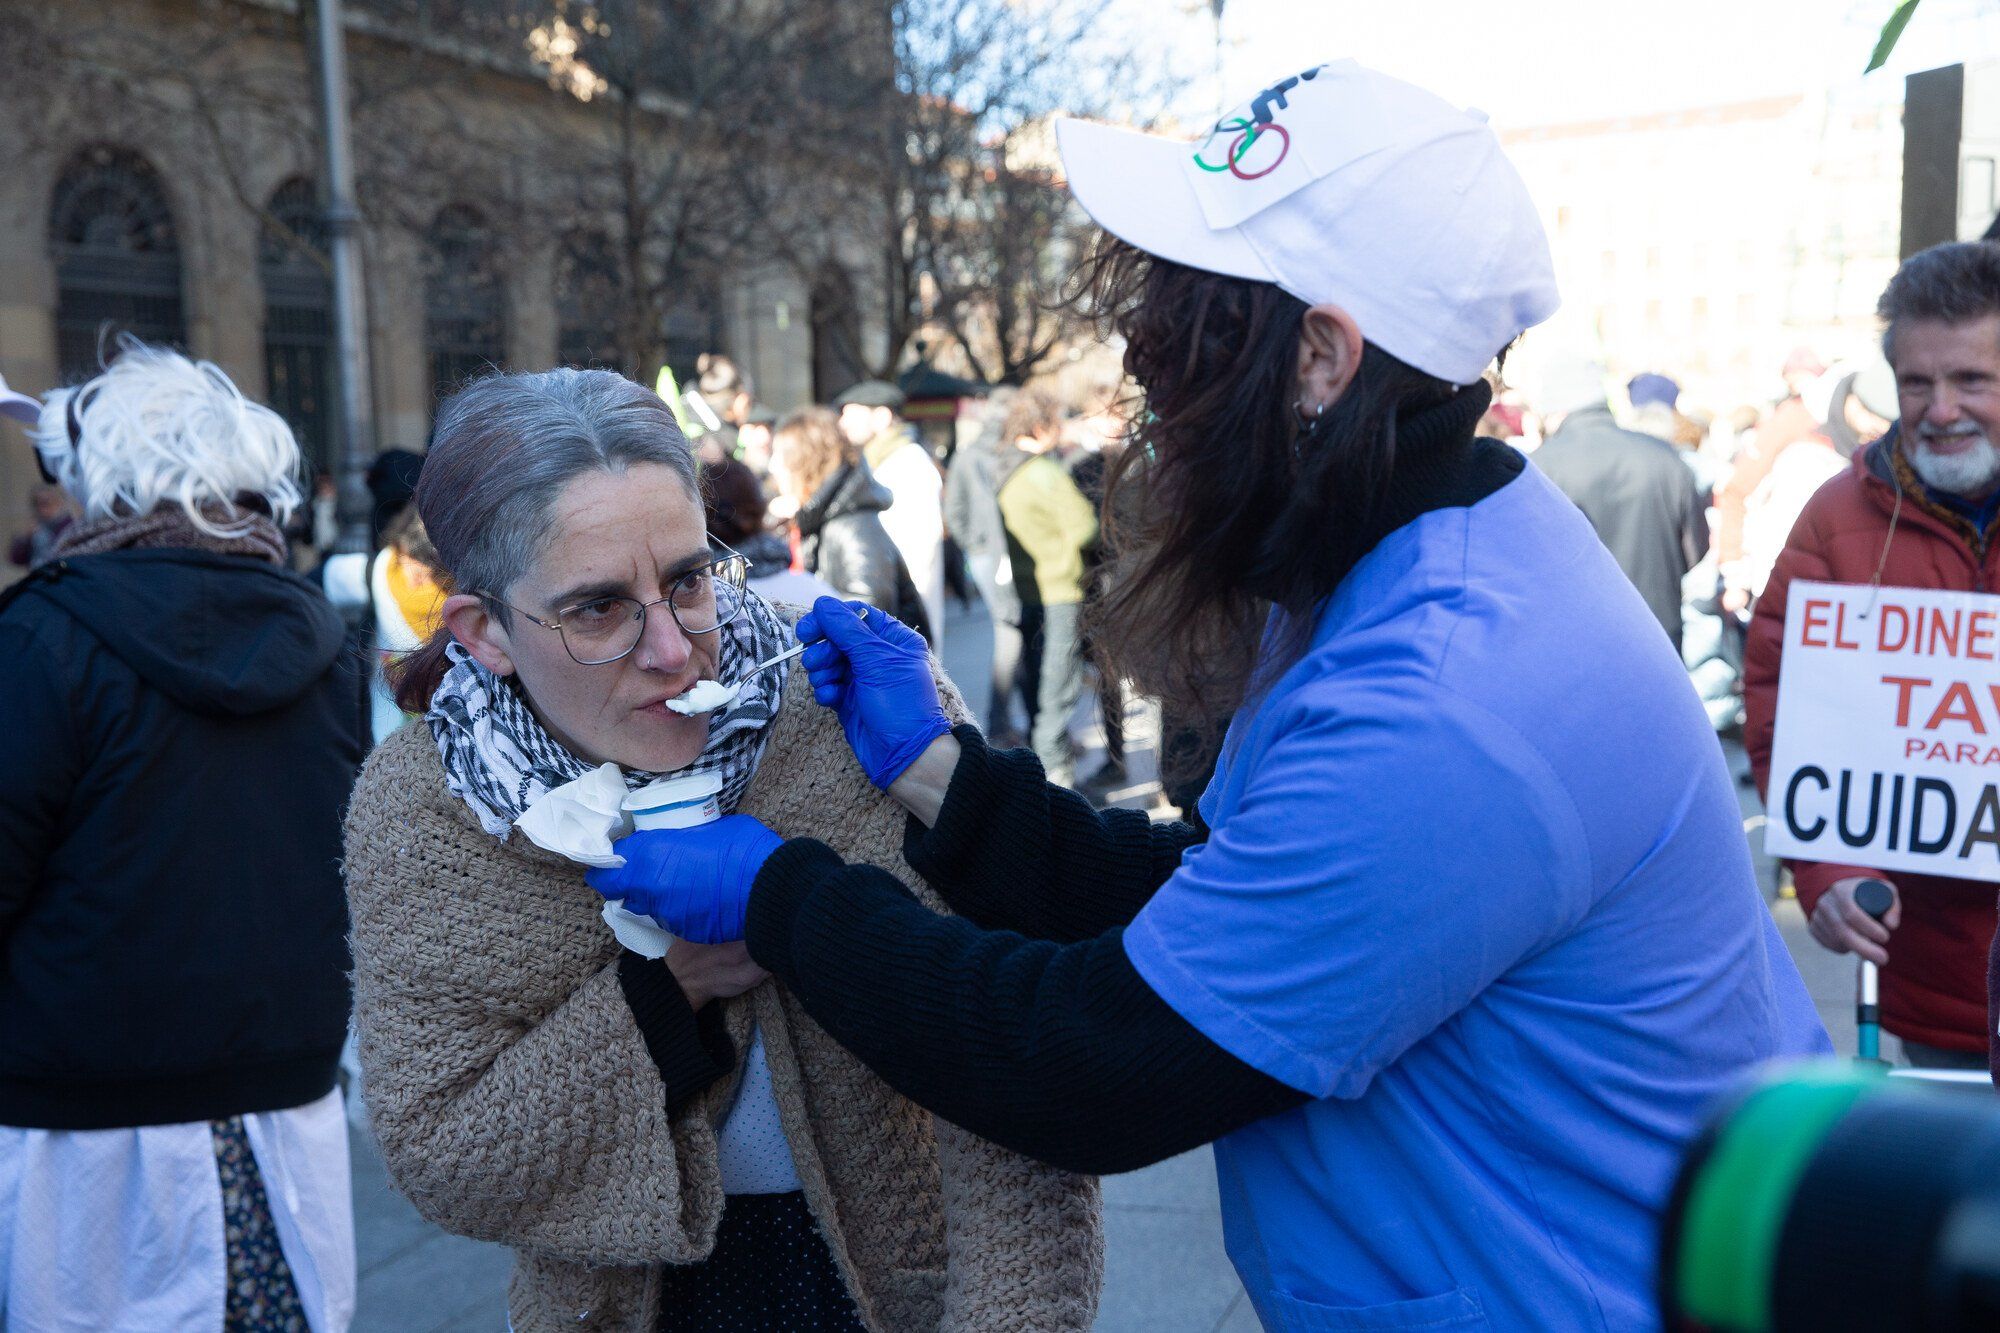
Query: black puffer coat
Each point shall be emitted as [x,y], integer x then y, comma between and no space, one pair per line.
[177,740]
[842,540]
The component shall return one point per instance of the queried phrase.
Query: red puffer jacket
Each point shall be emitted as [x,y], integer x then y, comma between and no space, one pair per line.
[1934,990]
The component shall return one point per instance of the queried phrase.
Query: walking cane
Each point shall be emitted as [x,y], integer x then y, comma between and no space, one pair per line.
[1875,897]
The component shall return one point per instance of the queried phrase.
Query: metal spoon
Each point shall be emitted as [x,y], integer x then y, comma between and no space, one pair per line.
[731,691]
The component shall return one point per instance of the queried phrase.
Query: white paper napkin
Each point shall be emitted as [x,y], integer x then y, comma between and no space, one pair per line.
[580,820]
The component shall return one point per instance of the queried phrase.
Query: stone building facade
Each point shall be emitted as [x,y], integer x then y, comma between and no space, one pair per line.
[129,201]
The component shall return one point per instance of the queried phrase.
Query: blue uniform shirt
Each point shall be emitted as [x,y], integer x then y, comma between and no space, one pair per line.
[1478,884]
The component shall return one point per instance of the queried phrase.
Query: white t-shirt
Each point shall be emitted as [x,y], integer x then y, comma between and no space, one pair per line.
[751,1147]
[792,588]
[347,582]
[915,522]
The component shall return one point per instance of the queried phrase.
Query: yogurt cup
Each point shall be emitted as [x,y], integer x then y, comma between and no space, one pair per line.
[676,802]
[687,802]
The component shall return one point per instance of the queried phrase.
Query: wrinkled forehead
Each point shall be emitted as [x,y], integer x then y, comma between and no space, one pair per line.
[1933,347]
[619,529]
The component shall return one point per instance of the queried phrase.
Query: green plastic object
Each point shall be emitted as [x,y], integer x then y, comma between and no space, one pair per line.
[669,390]
[1736,1210]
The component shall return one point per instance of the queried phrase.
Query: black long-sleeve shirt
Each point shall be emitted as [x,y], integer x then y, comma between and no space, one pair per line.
[1053,1045]
[1010,851]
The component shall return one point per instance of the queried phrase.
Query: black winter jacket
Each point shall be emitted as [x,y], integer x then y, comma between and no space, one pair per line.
[841,539]
[177,741]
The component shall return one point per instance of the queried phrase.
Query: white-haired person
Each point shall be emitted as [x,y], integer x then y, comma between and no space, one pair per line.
[178,734]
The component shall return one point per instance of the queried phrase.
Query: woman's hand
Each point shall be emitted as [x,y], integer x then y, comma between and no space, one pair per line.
[713,971]
[875,674]
[694,881]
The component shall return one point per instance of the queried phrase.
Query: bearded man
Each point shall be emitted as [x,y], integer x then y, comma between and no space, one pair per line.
[1916,509]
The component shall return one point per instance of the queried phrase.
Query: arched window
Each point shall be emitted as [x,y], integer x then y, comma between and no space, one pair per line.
[836,334]
[693,324]
[117,256]
[587,303]
[298,319]
[465,317]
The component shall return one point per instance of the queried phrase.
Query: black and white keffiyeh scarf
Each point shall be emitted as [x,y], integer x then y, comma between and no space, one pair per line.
[499,760]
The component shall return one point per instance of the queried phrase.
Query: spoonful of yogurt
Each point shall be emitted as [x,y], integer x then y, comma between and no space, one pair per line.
[705,696]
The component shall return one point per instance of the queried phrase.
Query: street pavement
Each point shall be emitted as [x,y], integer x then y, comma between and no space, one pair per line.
[1165,1270]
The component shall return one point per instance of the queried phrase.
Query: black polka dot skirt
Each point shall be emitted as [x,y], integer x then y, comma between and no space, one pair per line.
[770,1270]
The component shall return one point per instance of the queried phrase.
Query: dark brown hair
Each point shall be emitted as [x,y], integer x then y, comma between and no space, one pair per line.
[732,501]
[1225,505]
[405,533]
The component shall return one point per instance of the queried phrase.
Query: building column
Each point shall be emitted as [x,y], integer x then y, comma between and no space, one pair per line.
[532,323]
[770,334]
[401,361]
[226,322]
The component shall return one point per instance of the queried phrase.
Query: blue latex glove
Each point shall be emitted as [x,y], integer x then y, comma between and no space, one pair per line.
[693,881]
[875,674]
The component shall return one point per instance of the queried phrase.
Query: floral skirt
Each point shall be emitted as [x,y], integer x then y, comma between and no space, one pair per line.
[262,1297]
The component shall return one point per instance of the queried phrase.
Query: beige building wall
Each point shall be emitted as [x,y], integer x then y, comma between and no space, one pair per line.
[1705,243]
[765,314]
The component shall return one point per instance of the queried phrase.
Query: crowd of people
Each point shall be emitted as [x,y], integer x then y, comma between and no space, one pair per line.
[734,992]
[847,499]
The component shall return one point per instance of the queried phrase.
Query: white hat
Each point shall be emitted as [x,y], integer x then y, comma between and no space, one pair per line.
[19,406]
[1343,186]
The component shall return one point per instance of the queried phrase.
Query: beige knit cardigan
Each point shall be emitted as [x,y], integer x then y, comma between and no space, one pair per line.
[514,1101]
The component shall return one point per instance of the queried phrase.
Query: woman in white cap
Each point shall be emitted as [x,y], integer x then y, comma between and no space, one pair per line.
[1475,937]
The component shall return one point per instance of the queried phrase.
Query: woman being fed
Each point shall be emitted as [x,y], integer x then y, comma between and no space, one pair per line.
[666,1144]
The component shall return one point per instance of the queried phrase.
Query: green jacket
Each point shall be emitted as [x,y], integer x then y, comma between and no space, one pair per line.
[1049,523]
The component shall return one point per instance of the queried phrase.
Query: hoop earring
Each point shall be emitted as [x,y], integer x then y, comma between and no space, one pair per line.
[1308,422]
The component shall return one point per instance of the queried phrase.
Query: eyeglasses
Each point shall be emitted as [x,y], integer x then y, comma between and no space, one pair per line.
[605,629]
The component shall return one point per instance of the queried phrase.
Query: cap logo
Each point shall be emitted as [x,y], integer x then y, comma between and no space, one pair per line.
[1249,129]
[1241,145]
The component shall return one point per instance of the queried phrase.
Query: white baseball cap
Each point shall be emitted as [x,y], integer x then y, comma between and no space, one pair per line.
[26,410]
[1343,186]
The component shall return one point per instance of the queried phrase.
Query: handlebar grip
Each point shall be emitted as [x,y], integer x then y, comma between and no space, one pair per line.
[1875,897]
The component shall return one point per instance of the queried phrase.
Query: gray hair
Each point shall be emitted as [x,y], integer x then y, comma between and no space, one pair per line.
[1953,283]
[506,446]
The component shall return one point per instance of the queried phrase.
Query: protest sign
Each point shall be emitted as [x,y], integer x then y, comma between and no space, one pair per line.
[1887,752]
